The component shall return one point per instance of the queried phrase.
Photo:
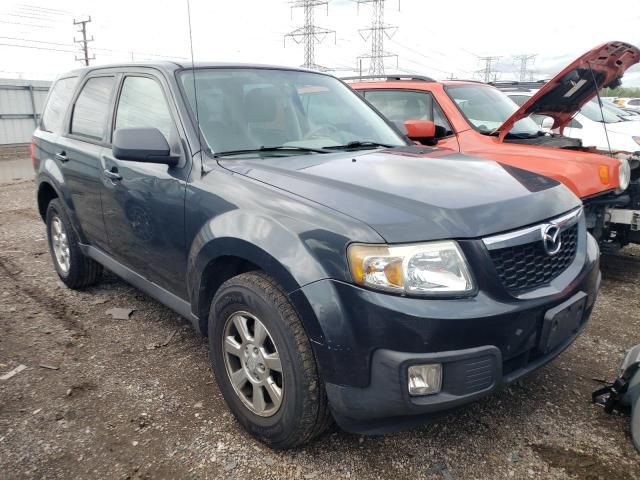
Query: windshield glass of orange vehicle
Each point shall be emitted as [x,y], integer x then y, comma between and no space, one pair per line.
[486,108]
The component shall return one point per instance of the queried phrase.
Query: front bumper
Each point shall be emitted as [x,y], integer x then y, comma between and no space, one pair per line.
[621,216]
[365,341]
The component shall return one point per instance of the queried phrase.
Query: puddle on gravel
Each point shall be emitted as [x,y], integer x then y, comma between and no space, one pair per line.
[580,465]
[13,170]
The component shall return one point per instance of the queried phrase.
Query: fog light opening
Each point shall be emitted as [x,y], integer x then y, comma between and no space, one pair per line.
[425,379]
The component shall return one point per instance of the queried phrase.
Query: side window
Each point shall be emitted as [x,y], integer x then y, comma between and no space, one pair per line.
[143,105]
[574,124]
[59,100]
[92,108]
[443,127]
[519,99]
[401,105]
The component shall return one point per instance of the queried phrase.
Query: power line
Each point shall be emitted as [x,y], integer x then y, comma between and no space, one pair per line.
[26,24]
[138,53]
[54,11]
[405,47]
[84,41]
[377,33]
[309,34]
[35,47]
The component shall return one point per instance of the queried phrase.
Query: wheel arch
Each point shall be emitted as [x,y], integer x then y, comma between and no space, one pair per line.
[46,193]
[224,258]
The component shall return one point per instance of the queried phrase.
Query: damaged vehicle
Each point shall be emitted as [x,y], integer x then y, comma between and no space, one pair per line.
[335,267]
[478,119]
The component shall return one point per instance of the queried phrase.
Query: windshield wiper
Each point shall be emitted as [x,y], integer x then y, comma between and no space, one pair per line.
[278,148]
[357,144]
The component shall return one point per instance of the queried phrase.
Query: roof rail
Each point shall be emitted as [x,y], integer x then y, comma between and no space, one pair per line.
[517,83]
[464,80]
[419,78]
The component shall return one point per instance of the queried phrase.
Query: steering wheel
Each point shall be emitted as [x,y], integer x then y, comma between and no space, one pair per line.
[321,131]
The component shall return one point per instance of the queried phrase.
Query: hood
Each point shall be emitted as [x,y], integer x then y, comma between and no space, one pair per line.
[626,127]
[562,96]
[406,197]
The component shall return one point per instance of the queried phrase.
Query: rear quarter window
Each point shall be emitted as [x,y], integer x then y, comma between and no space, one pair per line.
[56,108]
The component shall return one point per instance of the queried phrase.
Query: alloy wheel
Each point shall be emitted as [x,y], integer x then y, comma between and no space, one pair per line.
[60,244]
[253,363]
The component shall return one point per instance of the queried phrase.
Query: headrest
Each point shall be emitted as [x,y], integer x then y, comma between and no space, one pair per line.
[260,105]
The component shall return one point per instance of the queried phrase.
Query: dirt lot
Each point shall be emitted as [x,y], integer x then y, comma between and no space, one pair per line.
[135,398]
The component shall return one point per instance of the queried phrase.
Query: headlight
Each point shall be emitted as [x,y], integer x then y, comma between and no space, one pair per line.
[420,269]
[637,140]
[624,174]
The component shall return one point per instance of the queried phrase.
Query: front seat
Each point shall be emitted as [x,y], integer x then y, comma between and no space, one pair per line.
[264,124]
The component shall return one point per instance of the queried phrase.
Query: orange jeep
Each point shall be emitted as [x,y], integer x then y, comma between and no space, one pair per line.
[478,119]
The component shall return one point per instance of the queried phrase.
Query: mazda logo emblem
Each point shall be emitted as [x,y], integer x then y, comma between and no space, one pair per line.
[551,240]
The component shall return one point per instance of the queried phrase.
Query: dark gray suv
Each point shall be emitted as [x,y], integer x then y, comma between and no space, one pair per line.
[338,270]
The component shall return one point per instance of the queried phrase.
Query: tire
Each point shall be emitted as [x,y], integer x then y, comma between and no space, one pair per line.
[303,412]
[75,269]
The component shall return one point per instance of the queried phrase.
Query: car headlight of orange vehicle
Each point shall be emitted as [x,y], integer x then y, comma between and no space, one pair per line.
[624,174]
[431,268]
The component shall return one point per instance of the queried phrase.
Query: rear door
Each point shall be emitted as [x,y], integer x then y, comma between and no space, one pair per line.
[402,105]
[80,150]
[143,203]
[52,123]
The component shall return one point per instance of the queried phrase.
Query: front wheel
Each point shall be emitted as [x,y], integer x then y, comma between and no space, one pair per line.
[263,362]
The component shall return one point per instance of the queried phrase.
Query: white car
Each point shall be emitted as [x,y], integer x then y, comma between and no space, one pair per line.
[588,125]
[631,103]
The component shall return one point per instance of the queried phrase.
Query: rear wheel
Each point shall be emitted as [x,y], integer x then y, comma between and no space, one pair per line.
[73,267]
[263,362]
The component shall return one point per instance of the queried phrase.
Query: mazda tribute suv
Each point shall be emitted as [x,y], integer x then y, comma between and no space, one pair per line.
[335,272]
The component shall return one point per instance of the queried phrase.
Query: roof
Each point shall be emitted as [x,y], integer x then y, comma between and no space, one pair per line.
[173,66]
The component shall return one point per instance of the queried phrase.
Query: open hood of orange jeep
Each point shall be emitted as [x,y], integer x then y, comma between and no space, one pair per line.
[576,84]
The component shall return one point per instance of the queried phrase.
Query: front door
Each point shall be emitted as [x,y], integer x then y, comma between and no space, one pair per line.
[402,105]
[143,203]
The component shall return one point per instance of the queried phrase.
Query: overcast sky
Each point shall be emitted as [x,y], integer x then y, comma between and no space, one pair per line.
[436,38]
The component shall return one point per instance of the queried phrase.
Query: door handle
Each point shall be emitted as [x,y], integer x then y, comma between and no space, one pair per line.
[112,174]
[62,156]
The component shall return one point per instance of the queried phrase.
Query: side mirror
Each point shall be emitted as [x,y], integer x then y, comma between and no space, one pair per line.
[142,145]
[547,122]
[420,130]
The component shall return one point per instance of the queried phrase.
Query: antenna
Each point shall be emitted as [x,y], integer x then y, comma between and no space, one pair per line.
[604,124]
[195,91]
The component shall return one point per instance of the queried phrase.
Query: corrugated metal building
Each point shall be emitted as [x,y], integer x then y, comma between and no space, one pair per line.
[21,104]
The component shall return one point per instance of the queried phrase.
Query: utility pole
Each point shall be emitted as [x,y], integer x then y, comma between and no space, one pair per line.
[524,60]
[377,33]
[309,34]
[487,74]
[84,41]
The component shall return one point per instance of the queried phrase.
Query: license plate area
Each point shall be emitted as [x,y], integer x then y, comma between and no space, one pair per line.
[562,322]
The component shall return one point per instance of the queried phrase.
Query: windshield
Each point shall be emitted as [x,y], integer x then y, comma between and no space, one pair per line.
[250,108]
[487,109]
[591,110]
[614,110]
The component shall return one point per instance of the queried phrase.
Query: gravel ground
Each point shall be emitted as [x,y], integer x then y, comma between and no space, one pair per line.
[135,398]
